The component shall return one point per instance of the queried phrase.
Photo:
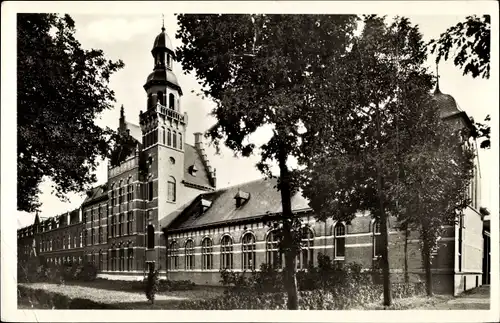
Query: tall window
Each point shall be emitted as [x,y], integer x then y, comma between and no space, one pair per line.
[120,193]
[171,189]
[99,212]
[173,255]
[174,139]
[81,239]
[113,198]
[121,223]
[92,237]
[130,219]
[273,255]
[248,251]
[306,255]
[180,140]
[189,254]
[163,135]
[100,260]
[171,101]
[130,258]
[91,216]
[151,237]
[122,260]
[100,235]
[113,223]
[130,190]
[169,137]
[339,233]
[226,253]
[207,253]
[150,190]
[160,97]
[377,241]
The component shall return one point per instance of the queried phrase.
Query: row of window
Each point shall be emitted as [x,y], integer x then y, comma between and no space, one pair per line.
[117,260]
[123,196]
[124,226]
[64,242]
[248,250]
[67,260]
[161,99]
[167,137]
[171,190]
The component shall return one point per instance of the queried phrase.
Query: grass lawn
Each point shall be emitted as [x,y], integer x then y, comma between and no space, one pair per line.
[125,299]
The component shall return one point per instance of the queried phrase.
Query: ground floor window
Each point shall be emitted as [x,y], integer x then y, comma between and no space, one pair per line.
[226,252]
[130,265]
[248,251]
[189,255]
[273,255]
[207,253]
[173,255]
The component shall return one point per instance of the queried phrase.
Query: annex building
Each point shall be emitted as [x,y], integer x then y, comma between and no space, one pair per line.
[160,208]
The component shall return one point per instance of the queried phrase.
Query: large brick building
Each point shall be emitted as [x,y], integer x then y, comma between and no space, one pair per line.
[160,209]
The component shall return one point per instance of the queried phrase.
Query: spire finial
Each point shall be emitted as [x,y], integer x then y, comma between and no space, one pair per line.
[122,111]
[162,22]
[437,79]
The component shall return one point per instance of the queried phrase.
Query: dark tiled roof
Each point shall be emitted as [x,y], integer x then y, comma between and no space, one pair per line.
[192,157]
[95,193]
[135,131]
[446,104]
[264,199]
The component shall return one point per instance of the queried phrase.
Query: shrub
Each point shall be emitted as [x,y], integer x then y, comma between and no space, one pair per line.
[87,273]
[152,285]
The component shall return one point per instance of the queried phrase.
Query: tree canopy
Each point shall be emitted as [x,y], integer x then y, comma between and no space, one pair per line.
[61,89]
[470,41]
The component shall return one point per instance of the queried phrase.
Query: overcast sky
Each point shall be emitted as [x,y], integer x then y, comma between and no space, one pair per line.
[130,38]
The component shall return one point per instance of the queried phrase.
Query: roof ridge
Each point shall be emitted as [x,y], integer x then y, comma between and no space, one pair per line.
[244,183]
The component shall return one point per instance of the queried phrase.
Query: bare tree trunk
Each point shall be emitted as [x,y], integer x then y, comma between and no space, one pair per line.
[290,275]
[426,257]
[407,276]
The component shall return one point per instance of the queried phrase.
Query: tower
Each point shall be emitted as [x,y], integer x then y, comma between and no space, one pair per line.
[163,130]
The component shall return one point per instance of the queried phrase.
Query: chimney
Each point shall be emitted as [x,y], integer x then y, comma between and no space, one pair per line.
[198,140]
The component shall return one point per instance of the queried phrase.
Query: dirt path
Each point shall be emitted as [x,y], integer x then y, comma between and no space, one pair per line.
[476,299]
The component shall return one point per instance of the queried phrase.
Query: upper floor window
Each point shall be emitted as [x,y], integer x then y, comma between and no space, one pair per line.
[163,135]
[169,137]
[171,189]
[180,141]
[174,139]
[339,233]
[130,190]
[171,101]
[130,220]
[207,253]
[189,254]
[150,190]
[160,97]
[120,193]
[226,252]
[248,251]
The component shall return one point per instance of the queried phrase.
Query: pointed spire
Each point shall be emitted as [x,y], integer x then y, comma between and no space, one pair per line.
[122,112]
[437,77]
[162,22]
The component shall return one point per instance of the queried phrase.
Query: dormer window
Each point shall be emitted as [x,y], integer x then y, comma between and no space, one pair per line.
[193,170]
[205,205]
[241,198]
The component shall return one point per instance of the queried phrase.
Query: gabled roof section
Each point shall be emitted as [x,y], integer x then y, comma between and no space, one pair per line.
[95,194]
[135,131]
[265,199]
[202,176]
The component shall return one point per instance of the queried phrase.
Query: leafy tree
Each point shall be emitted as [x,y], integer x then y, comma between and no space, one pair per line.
[258,69]
[61,89]
[354,155]
[482,132]
[472,44]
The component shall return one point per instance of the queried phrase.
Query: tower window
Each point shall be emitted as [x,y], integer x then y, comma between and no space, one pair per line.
[171,189]
[150,101]
[150,191]
[163,134]
[151,237]
[180,141]
[159,97]
[174,139]
[171,101]
[169,138]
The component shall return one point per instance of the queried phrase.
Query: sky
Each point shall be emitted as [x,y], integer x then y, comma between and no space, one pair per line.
[130,38]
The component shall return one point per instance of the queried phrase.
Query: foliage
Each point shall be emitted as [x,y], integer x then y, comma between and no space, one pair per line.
[57,273]
[152,285]
[482,131]
[61,89]
[258,70]
[471,42]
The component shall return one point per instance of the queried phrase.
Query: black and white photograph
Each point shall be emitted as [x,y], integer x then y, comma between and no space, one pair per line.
[329,158]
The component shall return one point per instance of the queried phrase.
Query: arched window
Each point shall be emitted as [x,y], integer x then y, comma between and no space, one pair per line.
[113,224]
[306,255]
[226,253]
[163,135]
[171,101]
[173,255]
[189,254]
[248,251]
[121,224]
[130,190]
[273,255]
[180,141]
[171,193]
[151,237]
[377,240]
[159,97]
[169,138]
[174,139]
[130,259]
[206,253]
[122,259]
[130,220]
[339,233]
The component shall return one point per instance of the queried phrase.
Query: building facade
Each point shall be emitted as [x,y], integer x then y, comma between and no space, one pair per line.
[160,209]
